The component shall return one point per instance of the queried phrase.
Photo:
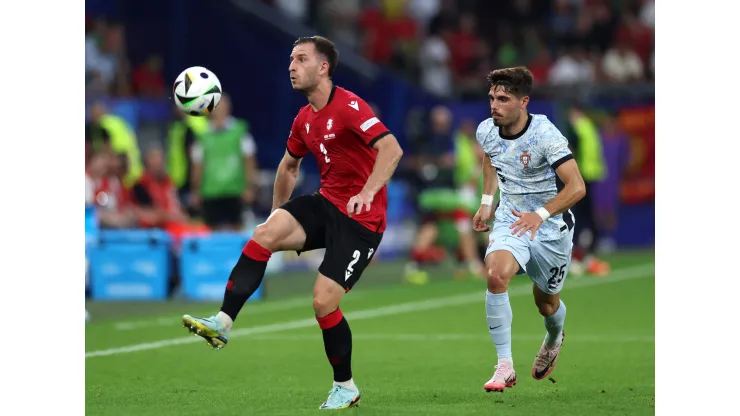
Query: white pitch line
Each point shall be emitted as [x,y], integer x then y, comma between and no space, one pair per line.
[611,339]
[256,309]
[253,308]
[628,273]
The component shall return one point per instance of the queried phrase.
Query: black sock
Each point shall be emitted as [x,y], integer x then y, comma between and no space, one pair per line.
[245,278]
[337,344]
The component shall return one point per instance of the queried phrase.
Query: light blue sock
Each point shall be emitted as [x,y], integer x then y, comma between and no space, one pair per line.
[499,317]
[554,326]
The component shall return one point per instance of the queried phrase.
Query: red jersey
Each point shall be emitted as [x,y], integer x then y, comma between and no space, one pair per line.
[341,137]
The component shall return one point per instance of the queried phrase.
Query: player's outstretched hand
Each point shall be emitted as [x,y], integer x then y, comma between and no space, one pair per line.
[362,200]
[528,221]
[481,218]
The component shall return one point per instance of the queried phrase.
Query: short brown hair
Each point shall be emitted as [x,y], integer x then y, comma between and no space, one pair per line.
[516,81]
[324,47]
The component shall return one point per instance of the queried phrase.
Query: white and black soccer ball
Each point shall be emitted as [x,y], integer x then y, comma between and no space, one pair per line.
[197,91]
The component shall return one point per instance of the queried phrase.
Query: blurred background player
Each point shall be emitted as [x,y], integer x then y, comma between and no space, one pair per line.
[106,132]
[155,196]
[532,233]
[182,135]
[444,168]
[605,193]
[356,155]
[224,170]
[404,56]
[587,149]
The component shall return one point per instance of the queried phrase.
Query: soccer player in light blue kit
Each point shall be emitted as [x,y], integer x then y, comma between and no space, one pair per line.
[533,227]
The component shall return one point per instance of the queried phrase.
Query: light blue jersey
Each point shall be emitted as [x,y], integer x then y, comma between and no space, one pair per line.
[526,165]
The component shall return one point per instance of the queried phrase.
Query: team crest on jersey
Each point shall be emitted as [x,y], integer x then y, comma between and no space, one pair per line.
[329,124]
[525,158]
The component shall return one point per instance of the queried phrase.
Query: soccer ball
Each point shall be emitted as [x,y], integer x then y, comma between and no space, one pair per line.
[197,91]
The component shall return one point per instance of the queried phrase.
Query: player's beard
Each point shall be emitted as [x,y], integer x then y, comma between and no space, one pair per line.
[504,121]
[308,84]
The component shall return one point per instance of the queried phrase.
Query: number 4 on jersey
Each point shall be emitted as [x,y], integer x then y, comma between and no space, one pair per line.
[323,150]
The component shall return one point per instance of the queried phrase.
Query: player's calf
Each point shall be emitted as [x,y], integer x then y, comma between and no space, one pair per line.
[281,231]
[337,340]
[552,308]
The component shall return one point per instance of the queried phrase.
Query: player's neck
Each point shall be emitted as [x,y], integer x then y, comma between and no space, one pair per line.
[319,97]
[517,127]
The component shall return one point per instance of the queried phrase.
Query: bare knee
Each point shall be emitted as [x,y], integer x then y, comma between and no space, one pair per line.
[266,236]
[498,279]
[324,303]
[326,296]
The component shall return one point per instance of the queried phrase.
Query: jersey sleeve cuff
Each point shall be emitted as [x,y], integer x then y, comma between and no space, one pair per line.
[562,160]
[378,137]
[293,155]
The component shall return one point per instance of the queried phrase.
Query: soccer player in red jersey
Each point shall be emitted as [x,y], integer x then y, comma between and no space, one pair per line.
[356,155]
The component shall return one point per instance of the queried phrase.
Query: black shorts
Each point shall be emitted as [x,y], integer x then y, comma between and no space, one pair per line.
[349,245]
[222,211]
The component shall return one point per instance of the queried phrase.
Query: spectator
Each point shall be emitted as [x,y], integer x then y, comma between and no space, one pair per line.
[294,9]
[635,34]
[434,57]
[423,11]
[104,191]
[647,13]
[111,133]
[339,19]
[572,68]
[441,198]
[224,174]
[463,45]
[100,56]
[540,67]
[508,52]
[147,78]
[621,64]
[155,196]
[616,145]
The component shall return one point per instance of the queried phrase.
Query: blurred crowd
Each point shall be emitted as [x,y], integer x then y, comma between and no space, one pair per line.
[204,173]
[205,179]
[449,45]
[108,71]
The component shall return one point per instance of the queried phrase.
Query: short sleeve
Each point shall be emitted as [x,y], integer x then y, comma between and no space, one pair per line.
[484,135]
[555,146]
[359,118]
[249,147]
[296,146]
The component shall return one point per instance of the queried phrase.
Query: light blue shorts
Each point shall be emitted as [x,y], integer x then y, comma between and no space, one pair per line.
[546,262]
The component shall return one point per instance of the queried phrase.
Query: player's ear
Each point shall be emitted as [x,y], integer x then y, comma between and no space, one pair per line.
[525,101]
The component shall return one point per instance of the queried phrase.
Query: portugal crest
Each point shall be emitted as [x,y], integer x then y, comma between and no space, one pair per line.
[525,158]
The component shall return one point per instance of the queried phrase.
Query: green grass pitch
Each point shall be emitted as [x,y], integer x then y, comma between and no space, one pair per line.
[418,350]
